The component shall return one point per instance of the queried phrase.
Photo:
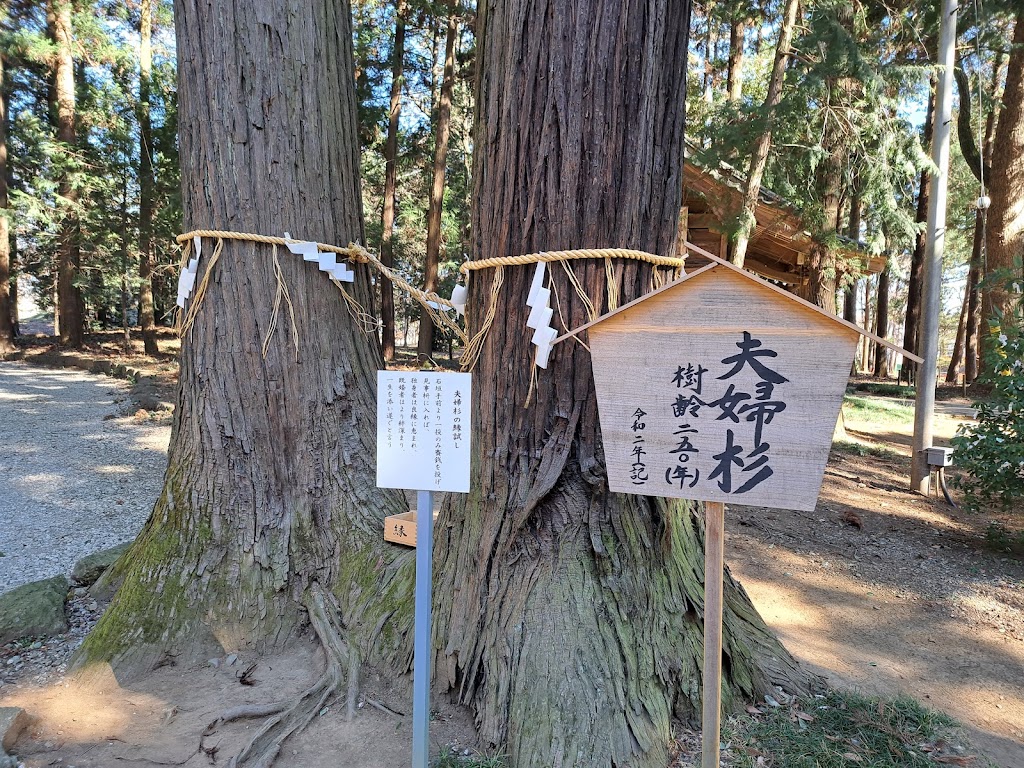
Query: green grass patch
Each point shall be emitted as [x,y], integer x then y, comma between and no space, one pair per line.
[887,390]
[865,449]
[877,410]
[846,730]
[451,758]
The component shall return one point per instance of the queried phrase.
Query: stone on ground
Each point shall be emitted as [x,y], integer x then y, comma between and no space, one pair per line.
[13,720]
[91,567]
[34,609]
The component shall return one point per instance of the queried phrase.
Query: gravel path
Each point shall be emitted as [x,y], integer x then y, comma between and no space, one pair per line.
[76,475]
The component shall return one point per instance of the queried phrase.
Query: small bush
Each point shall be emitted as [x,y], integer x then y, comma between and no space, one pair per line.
[991,452]
[1002,539]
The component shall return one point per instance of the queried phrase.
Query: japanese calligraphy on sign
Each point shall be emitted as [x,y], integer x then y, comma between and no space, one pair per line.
[720,388]
[423,430]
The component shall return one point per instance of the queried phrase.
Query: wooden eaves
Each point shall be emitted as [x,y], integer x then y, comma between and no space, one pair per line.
[717,263]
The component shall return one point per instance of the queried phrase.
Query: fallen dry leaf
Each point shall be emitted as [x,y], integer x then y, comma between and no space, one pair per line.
[956,759]
[852,756]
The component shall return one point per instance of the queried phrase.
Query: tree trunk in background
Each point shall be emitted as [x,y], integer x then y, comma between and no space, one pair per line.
[865,344]
[908,370]
[972,346]
[759,154]
[387,246]
[147,318]
[823,264]
[710,51]
[958,343]
[737,38]
[269,492]
[881,369]
[850,294]
[567,615]
[6,313]
[70,309]
[444,113]
[1005,241]
[972,339]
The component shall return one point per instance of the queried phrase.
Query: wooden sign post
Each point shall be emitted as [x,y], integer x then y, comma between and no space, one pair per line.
[423,423]
[720,387]
[714,566]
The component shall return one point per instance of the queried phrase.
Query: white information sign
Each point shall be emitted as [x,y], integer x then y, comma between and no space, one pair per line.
[423,423]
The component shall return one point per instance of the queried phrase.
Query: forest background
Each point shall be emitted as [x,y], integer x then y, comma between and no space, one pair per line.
[89,178]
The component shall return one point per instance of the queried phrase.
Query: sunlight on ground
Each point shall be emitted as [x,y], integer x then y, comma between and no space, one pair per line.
[818,612]
[114,469]
[93,708]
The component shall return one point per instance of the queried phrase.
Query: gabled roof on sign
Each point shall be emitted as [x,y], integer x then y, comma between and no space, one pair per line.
[717,263]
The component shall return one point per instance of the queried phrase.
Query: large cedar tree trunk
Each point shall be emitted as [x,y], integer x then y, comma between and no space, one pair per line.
[70,306]
[1005,242]
[387,246]
[569,616]
[270,482]
[436,204]
[6,316]
[147,318]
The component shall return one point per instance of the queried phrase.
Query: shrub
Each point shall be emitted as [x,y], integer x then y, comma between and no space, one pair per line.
[991,452]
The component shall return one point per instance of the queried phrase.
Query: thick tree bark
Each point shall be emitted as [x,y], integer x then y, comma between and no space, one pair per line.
[269,494]
[1005,241]
[387,246]
[759,154]
[734,76]
[70,307]
[147,318]
[569,616]
[914,284]
[6,313]
[881,369]
[434,209]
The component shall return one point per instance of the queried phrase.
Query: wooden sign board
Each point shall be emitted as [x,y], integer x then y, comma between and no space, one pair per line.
[423,422]
[720,388]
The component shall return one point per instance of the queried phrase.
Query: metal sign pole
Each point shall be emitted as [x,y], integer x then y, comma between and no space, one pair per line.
[421,642]
[714,540]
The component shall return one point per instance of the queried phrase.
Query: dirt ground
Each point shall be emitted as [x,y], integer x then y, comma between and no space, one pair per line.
[878,589]
[888,592]
[97,723]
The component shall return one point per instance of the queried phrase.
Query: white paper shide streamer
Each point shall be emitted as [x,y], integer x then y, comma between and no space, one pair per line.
[187,278]
[327,262]
[459,295]
[539,302]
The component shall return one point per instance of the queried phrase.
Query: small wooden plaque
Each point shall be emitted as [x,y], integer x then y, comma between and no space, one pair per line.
[401,529]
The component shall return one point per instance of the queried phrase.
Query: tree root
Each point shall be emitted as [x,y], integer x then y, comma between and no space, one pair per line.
[288,718]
